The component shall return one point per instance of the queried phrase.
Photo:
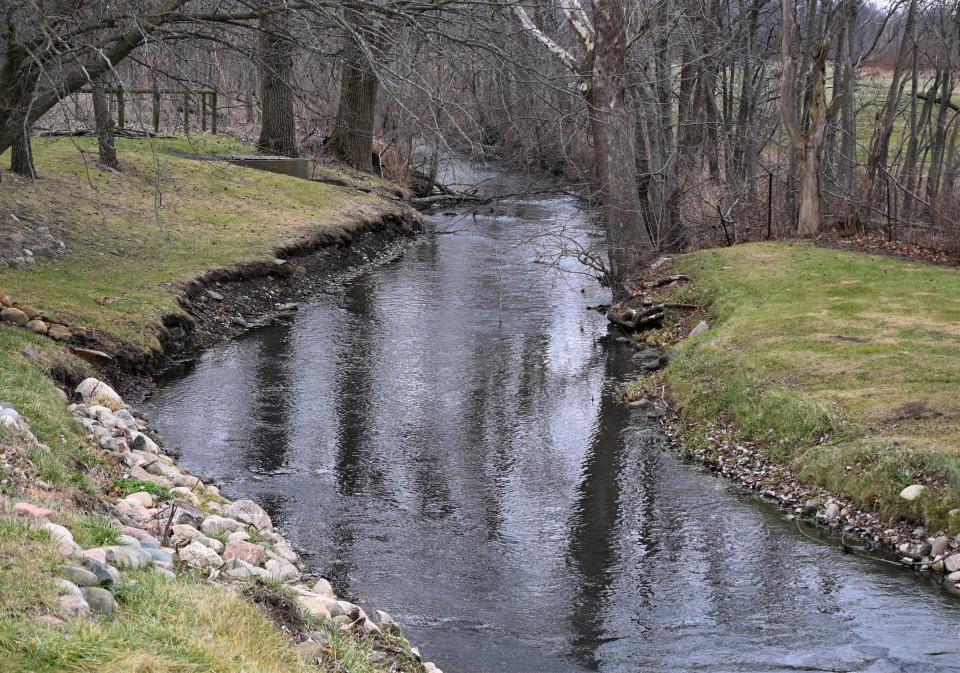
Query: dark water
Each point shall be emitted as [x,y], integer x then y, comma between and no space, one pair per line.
[440,435]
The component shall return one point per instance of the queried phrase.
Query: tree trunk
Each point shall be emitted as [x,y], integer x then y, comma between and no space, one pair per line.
[104,124]
[21,156]
[807,143]
[611,125]
[278,130]
[810,219]
[352,137]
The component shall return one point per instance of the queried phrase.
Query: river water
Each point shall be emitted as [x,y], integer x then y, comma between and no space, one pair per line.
[440,437]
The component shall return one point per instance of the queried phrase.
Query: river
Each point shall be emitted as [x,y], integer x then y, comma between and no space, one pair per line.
[441,437]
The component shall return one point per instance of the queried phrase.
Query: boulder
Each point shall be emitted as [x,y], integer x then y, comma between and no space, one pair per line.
[699,329]
[184,493]
[183,512]
[142,497]
[31,312]
[59,533]
[72,607]
[106,574]
[93,390]
[197,555]
[79,576]
[27,509]
[213,543]
[142,536]
[939,546]
[14,316]
[324,588]
[215,525]
[281,550]
[912,492]
[68,588]
[58,332]
[245,551]
[140,442]
[250,513]
[315,605]
[99,600]
[281,571]
[127,557]
[951,564]
[37,326]
[386,622]
[185,531]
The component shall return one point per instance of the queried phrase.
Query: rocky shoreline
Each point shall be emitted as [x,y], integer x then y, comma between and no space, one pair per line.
[895,542]
[171,522]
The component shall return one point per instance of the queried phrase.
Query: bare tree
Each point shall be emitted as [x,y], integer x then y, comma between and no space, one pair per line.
[601,71]
[278,130]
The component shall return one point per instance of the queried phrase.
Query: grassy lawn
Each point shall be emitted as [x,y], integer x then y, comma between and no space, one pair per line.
[166,218]
[843,365]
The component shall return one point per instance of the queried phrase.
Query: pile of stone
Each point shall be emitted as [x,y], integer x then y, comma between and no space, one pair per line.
[193,529]
[20,246]
[23,315]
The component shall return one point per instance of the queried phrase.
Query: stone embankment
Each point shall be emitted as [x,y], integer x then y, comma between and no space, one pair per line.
[173,523]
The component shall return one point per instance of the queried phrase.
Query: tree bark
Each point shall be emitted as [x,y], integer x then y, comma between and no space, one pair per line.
[807,144]
[21,156]
[352,137]
[278,129]
[104,124]
[611,124]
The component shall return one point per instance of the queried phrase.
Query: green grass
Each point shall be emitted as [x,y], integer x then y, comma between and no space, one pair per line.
[67,459]
[27,563]
[842,365]
[128,485]
[135,236]
[168,626]
[93,530]
[161,626]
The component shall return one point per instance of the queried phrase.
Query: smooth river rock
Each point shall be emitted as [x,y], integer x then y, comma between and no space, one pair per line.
[250,513]
[912,492]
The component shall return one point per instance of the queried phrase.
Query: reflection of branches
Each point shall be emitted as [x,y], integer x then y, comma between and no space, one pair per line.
[567,246]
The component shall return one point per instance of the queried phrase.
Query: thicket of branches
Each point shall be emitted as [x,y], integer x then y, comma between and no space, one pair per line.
[688,122]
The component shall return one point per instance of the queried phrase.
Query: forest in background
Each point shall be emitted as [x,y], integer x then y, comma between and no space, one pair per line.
[690,123]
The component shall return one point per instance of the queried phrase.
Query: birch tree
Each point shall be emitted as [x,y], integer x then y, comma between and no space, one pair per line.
[600,72]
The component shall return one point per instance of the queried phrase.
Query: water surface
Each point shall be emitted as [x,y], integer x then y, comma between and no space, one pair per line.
[441,437]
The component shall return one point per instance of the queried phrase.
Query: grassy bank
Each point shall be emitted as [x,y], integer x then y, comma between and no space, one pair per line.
[843,365]
[166,218]
[133,239]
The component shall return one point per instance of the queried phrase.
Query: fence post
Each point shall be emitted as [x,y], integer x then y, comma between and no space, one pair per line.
[769,204]
[186,114]
[156,109]
[121,113]
[213,112]
[203,111]
[889,213]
